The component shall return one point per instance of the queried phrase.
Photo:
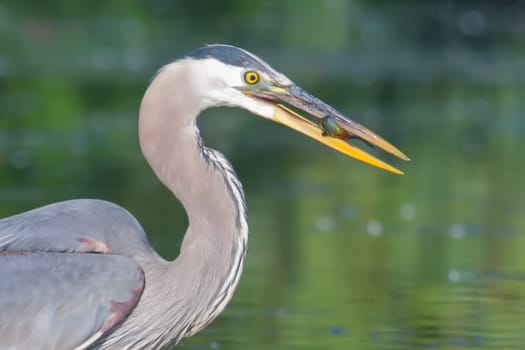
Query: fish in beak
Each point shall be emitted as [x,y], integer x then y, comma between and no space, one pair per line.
[328,126]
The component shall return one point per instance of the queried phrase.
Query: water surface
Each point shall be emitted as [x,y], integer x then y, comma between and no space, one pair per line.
[342,256]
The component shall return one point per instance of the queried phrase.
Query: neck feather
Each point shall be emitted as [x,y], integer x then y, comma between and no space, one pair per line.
[214,246]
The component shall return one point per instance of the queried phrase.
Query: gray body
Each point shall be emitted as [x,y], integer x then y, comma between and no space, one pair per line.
[74,268]
[81,274]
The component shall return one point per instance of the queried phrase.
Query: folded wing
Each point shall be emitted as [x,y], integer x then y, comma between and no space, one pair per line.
[64,300]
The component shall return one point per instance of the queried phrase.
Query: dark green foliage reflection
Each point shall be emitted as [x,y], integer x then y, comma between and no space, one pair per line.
[342,255]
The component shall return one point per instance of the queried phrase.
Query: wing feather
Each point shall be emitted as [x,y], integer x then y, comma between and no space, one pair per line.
[81,225]
[64,300]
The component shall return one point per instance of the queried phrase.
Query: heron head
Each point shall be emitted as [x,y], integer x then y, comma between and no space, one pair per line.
[226,75]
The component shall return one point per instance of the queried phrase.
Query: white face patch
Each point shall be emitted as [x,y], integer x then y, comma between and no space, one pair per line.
[217,83]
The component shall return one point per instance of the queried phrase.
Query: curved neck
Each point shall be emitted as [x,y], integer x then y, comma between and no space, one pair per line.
[214,246]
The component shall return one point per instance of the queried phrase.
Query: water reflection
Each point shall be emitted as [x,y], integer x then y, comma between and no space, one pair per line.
[342,256]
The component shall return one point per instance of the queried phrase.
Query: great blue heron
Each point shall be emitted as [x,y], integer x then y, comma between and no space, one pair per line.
[81,274]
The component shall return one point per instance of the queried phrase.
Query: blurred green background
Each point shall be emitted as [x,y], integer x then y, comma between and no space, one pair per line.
[342,255]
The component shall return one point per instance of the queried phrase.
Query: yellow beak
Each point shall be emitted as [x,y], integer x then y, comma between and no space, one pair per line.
[332,129]
[297,122]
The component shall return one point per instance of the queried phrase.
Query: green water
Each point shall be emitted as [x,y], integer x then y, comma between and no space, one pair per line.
[342,255]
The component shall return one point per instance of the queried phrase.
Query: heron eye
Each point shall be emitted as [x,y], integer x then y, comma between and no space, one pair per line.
[251,77]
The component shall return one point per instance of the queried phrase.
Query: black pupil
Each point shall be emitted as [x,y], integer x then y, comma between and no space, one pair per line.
[252,77]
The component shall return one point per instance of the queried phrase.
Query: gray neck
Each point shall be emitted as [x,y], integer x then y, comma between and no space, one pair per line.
[210,261]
